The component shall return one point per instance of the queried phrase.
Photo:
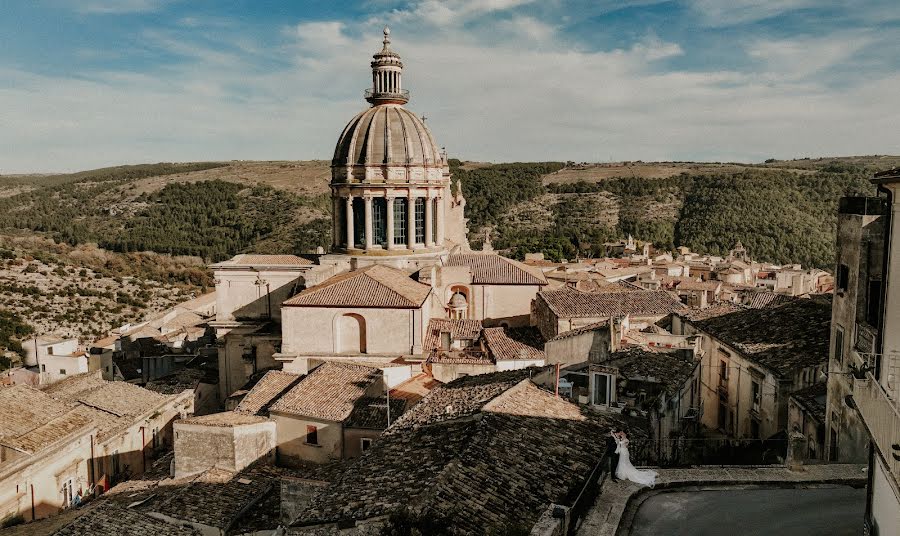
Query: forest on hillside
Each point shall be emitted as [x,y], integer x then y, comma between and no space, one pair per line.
[782,214]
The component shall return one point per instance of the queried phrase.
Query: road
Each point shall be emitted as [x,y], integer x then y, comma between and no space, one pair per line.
[753,512]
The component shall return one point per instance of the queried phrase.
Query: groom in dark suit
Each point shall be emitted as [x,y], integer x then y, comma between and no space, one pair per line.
[611,457]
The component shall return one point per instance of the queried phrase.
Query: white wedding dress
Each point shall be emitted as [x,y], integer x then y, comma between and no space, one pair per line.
[626,471]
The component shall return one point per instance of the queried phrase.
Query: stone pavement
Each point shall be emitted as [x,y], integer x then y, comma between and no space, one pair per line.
[604,517]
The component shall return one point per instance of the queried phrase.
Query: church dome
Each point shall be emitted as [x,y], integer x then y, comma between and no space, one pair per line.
[387,134]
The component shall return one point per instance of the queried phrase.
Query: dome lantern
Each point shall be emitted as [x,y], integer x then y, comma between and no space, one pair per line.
[387,74]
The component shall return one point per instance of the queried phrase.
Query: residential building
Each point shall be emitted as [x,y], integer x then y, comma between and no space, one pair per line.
[855,321]
[487,453]
[456,348]
[753,359]
[806,419]
[559,310]
[76,437]
[874,362]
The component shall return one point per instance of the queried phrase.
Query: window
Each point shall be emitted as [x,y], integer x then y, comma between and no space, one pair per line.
[359,221]
[156,438]
[756,396]
[68,492]
[379,221]
[116,463]
[43,367]
[839,344]
[400,221]
[723,373]
[365,443]
[434,221]
[62,371]
[754,428]
[843,278]
[312,435]
[873,302]
[420,220]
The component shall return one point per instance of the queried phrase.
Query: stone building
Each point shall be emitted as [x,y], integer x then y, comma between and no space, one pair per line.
[867,303]
[487,453]
[753,359]
[559,310]
[856,312]
[78,436]
[334,413]
[806,419]
[457,348]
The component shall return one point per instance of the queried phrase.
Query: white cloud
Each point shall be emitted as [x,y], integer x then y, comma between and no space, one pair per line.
[113,7]
[515,90]
[734,12]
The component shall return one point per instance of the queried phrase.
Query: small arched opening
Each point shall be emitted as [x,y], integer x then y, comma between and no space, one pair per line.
[350,334]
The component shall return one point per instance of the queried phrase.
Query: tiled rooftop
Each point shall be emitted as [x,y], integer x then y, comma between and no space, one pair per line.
[329,392]
[667,369]
[567,302]
[500,470]
[502,348]
[266,391]
[224,419]
[492,269]
[372,286]
[718,309]
[112,518]
[371,412]
[812,399]
[264,260]
[762,300]
[698,285]
[783,339]
[603,324]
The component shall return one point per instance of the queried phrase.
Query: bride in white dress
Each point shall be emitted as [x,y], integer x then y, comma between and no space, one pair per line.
[625,470]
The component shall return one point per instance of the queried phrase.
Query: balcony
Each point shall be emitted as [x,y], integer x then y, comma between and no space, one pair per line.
[372,95]
[879,408]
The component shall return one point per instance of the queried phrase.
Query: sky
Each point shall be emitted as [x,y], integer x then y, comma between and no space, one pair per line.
[92,83]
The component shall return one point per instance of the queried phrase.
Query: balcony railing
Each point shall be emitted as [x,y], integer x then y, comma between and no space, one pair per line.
[403,94]
[878,405]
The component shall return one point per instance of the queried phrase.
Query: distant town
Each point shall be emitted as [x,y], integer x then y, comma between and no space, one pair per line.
[401,380]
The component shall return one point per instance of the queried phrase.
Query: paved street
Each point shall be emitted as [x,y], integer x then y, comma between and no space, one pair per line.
[798,512]
[605,516]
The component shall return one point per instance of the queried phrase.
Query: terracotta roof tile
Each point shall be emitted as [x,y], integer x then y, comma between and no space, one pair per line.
[761,300]
[265,260]
[492,269]
[329,392]
[266,391]
[502,348]
[527,449]
[783,339]
[372,286]
[371,412]
[111,518]
[567,302]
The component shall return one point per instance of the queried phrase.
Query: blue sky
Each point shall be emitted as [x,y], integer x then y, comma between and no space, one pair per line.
[88,83]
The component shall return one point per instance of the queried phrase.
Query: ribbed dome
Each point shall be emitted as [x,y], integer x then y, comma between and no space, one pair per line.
[386,134]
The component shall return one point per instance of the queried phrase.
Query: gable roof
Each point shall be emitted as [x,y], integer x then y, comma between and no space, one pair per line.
[525,450]
[266,391]
[111,518]
[493,269]
[30,420]
[761,300]
[373,286]
[329,392]
[567,302]
[783,339]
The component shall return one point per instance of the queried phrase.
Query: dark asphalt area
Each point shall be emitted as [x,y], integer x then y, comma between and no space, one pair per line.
[834,511]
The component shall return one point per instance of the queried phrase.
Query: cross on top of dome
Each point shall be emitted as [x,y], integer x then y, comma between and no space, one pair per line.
[387,72]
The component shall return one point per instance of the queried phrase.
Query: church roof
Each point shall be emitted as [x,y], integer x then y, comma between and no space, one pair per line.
[372,286]
[459,329]
[263,260]
[492,269]
[387,134]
